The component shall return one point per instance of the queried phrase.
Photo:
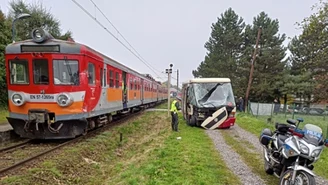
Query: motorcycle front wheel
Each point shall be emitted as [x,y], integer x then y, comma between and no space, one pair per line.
[302,178]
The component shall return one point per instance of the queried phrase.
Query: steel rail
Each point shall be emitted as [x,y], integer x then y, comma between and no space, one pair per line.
[15,146]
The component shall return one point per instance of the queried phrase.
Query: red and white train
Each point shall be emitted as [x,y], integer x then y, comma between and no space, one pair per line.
[60,89]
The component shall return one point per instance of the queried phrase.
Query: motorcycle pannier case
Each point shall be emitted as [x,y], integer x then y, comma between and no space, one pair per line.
[265,136]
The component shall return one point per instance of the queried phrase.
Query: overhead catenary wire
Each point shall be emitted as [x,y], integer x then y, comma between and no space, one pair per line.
[99,23]
[122,35]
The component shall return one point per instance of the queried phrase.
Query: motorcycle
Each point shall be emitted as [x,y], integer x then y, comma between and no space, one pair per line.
[290,152]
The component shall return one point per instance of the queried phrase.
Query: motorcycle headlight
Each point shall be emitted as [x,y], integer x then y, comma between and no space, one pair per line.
[304,149]
[316,153]
[17,99]
[288,151]
[64,100]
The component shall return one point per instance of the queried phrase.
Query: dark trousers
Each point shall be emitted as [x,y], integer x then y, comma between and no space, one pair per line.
[174,121]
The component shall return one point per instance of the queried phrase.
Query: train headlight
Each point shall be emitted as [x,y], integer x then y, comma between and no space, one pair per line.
[18,99]
[38,35]
[64,100]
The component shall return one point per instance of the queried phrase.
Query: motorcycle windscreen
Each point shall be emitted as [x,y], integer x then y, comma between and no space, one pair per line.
[312,134]
[217,118]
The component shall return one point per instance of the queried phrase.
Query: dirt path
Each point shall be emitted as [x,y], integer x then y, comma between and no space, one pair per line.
[230,156]
[233,160]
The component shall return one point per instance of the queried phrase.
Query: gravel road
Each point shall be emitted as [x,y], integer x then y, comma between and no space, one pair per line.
[234,161]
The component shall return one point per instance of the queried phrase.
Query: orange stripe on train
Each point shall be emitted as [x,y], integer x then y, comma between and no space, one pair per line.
[75,108]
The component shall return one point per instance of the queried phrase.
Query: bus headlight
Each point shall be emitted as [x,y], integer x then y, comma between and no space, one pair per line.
[64,100]
[18,99]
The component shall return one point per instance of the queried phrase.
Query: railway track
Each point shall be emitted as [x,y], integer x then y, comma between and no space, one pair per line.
[5,149]
[46,149]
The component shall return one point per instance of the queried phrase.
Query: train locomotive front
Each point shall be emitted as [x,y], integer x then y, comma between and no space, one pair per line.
[47,88]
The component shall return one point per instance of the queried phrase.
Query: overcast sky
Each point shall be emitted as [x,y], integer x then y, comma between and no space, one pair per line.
[164,32]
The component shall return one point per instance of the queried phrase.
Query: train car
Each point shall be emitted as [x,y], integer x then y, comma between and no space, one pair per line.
[209,103]
[61,89]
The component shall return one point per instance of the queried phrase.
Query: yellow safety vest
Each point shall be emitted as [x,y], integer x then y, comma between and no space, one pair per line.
[173,107]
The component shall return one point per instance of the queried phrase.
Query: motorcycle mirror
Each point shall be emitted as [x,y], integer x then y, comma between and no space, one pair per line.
[300,119]
[291,121]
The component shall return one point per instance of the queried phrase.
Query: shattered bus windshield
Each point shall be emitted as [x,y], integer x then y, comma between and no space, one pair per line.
[214,94]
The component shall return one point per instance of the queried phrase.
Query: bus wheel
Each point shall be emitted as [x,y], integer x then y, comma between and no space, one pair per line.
[192,121]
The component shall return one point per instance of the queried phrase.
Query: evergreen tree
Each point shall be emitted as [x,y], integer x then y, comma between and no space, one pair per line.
[269,63]
[310,54]
[224,48]
[40,18]
[5,38]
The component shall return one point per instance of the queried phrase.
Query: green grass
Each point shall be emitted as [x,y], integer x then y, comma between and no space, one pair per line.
[191,160]
[3,114]
[149,154]
[255,126]
[162,105]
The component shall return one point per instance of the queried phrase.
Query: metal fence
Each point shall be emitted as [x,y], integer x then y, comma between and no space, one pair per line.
[290,110]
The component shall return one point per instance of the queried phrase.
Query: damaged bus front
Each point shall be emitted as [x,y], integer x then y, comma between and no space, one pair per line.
[209,103]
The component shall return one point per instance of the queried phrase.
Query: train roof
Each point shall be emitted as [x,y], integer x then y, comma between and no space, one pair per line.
[67,47]
[208,80]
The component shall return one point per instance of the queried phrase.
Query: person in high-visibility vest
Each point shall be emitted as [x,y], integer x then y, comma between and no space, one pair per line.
[175,107]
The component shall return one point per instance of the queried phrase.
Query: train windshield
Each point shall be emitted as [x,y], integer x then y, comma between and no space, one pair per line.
[66,72]
[214,94]
[19,73]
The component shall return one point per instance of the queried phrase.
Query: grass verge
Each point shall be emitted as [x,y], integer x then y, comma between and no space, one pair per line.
[162,105]
[3,114]
[191,160]
[149,154]
[255,126]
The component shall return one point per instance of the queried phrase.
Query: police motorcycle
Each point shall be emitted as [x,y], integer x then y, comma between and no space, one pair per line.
[290,152]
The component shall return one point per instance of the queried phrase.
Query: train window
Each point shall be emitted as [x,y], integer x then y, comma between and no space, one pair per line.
[91,73]
[66,72]
[19,73]
[111,78]
[117,80]
[40,71]
[135,85]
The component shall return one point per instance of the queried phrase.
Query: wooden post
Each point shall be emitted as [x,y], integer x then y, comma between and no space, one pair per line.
[252,66]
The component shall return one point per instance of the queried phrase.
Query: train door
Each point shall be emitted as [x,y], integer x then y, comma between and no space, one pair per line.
[124,89]
[142,91]
[103,82]
[157,88]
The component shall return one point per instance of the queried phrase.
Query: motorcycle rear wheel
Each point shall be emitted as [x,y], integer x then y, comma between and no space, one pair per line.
[302,178]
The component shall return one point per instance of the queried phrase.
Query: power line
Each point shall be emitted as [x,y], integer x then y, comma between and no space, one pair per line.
[122,35]
[95,19]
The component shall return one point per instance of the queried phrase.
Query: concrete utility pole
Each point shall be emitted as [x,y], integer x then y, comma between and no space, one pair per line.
[252,68]
[177,79]
[169,72]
